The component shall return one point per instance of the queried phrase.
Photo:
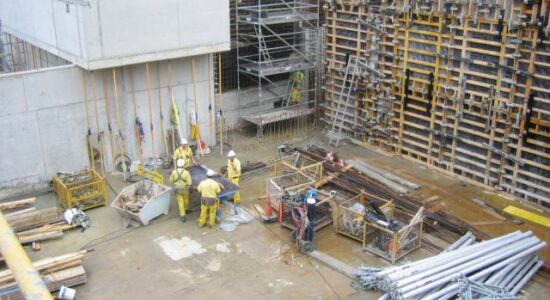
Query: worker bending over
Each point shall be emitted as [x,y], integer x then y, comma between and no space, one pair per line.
[184,152]
[181,179]
[209,190]
[234,173]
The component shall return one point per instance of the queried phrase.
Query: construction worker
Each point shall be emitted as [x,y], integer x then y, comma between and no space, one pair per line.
[209,190]
[181,179]
[234,173]
[184,152]
[297,81]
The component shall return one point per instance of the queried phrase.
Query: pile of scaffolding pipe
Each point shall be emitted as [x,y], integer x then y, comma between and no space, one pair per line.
[466,240]
[361,167]
[388,175]
[507,262]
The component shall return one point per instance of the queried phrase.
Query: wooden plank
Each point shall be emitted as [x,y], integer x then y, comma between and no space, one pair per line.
[34,219]
[15,203]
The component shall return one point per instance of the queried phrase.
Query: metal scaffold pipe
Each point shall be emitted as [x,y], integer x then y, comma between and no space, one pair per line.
[29,281]
[451,254]
[450,290]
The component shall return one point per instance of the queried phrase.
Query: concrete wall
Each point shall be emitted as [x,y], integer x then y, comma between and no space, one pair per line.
[108,33]
[43,117]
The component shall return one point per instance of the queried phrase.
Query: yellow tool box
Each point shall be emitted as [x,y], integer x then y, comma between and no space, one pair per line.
[85,188]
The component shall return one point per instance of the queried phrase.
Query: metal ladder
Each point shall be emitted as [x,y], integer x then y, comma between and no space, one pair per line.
[288,96]
[262,46]
[342,106]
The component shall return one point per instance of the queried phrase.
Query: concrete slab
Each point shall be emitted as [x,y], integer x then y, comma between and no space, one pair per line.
[254,261]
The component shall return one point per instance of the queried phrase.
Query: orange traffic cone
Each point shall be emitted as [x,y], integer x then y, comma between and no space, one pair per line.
[268,210]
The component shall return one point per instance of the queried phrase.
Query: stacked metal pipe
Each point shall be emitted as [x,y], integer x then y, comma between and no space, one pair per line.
[497,267]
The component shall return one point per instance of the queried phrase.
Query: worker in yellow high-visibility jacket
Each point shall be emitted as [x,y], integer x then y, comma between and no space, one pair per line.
[184,152]
[234,173]
[209,190]
[297,82]
[181,179]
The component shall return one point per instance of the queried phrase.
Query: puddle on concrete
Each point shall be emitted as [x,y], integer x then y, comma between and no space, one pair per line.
[178,249]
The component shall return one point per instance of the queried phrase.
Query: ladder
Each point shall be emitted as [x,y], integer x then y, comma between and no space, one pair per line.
[262,46]
[343,100]
[288,96]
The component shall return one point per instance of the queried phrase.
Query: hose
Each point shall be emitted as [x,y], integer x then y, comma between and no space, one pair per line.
[299,216]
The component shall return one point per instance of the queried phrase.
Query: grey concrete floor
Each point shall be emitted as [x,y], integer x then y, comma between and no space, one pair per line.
[254,261]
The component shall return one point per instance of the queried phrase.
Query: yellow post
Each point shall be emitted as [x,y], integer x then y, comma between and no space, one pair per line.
[29,281]
[221,100]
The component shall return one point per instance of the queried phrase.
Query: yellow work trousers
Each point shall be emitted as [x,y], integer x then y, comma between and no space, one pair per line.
[208,206]
[237,196]
[296,95]
[183,200]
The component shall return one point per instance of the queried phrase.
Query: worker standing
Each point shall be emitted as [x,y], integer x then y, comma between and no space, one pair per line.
[184,152]
[181,179]
[234,173]
[297,81]
[209,190]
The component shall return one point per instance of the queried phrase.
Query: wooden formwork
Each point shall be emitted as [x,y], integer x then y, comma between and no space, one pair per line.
[465,86]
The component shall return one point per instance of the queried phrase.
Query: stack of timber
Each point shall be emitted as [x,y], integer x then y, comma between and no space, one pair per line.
[31,224]
[461,86]
[64,270]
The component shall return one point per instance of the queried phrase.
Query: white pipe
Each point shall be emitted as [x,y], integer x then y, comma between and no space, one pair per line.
[526,278]
[519,275]
[456,254]
[447,255]
[410,277]
[450,290]
[428,284]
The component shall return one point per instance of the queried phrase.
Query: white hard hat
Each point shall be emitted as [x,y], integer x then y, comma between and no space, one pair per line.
[180,162]
[231,153]
[183,142]
[210,173]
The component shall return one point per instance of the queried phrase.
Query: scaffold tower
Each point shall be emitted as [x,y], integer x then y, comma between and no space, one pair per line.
[279,49]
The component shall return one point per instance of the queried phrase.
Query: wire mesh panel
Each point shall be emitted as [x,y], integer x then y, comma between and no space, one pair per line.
[348,217]
[291,163]
[85,188]
[288,184]
[393,244]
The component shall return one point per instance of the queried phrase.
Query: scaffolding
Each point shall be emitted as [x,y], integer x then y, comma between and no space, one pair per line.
[279,49]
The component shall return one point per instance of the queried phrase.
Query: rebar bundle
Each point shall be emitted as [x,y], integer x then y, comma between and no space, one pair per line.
[495,269]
